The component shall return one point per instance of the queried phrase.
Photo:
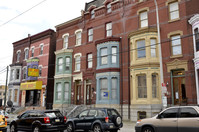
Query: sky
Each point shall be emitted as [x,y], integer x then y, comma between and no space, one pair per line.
[18,18]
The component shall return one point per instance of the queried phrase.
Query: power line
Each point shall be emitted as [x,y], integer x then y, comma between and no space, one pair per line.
[22,13]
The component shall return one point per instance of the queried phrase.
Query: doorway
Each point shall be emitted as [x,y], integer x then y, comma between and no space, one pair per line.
[88,94]
[179,89]
[78,93]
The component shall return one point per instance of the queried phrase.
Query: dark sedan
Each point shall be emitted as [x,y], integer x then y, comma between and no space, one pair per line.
[36,121]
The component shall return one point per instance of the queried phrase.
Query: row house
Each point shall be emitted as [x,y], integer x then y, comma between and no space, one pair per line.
[32,70]
[110,56]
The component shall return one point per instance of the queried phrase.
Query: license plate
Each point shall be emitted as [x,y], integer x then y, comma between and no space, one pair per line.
[57,120]
[111,126]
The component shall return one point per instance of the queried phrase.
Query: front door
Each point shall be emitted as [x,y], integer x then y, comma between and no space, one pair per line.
[78,94]
[88,94]
[179,90]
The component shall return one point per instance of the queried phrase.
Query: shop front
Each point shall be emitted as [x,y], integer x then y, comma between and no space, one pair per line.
[31,93]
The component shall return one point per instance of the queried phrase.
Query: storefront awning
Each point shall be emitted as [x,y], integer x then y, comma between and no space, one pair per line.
[37,85]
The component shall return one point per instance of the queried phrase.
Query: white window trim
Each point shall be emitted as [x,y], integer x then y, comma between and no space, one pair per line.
[63,36]
[41,68]
[78,54]
[79,30]
[18,51]
[27,48]
[42,44]
[23,72]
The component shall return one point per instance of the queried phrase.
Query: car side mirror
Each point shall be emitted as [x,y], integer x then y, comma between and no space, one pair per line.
[18,116]
[160,116]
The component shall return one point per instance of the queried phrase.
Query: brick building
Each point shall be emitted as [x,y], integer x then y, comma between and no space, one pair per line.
[109,56]
[34,53]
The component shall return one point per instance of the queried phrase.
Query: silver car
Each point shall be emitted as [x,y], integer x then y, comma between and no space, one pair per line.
[173,119]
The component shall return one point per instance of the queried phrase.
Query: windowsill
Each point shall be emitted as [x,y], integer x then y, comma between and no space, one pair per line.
[177,19]
[176,56]
[25,60]
[89,69]
[40,54]
[142,28]
[78,45]
[77,71]
[89,42]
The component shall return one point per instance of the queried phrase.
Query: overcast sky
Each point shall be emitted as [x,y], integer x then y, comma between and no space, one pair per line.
[46,15]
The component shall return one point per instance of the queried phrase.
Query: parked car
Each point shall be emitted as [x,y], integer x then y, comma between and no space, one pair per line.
[6,115]
[173,119]
[3,123]
[98,120]
[37,120]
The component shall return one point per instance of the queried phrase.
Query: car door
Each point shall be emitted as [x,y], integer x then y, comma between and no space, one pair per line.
[188,120]
[21,122]
[80,122]
[90,118]
[167,120]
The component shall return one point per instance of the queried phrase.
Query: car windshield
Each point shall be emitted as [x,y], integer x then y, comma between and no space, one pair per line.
[53,114]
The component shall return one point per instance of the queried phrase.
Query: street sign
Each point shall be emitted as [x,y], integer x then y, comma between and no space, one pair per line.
[105,94]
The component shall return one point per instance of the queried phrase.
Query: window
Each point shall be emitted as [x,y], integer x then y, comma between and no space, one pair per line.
[104,88]
[142,87]
[78,38]
[176,45]
[154,86]
[15,95]
[40,70]
[83,114]
[17,73]
[143,19]
[108,29]
[141,52]
[114,88]
[174,10]
[10,94]
[18,55]
[114,55]
[92,113]
[197,38]
[66,91]
[188,112]
[90,60]
[153,47]
[104,56]
[12,75]
[77,63]
[108,8]
[67,63]
[170,113]
[92,14]
[90,35]
[65,39]
[32,52]
[58,91]
[41,49]
[24,72]
[26,54]
[60,64]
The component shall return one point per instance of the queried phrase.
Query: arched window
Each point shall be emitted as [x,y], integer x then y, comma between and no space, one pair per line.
[197,38]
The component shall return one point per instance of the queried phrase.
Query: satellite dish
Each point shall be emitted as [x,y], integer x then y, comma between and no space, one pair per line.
[9,103]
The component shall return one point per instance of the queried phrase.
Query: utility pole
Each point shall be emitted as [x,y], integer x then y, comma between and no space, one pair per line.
[6,90]
[164,99]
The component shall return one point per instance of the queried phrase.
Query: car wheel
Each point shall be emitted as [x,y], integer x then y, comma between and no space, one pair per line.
[69,127]
[147,129]
[36,129]
[12,128]
[97,128]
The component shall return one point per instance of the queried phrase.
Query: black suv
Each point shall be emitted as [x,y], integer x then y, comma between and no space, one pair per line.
[37,120]
[98,120]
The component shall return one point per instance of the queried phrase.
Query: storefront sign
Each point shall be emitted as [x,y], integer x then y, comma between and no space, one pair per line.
[32,60]
[33,72]
[31,85]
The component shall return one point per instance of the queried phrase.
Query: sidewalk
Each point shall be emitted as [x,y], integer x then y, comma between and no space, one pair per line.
[128,126]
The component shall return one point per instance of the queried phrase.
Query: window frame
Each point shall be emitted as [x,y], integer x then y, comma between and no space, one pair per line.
[65,40]
[78,37]
[41,49]
[178,45]
[109,29]
[108,8]
[18,55]
[153,47]
[26,53]
[103,88]
[143,20]
[92,14]
[103,56]
[140,49]
[89,60]
[32,51]
[77,62]
[90,34]
[67,64]
[59,64]
[177,10]
[140,89]
[58,93]
[196,34]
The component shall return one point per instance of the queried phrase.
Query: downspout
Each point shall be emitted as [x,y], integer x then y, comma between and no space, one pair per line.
[121,76]
[129,87]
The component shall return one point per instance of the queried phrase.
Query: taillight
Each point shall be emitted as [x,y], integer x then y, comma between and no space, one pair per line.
[65,118]
[106,119]
[6,122]
[6,117]
[46,120]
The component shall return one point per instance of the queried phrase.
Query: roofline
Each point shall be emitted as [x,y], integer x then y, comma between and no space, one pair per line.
[67,22]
